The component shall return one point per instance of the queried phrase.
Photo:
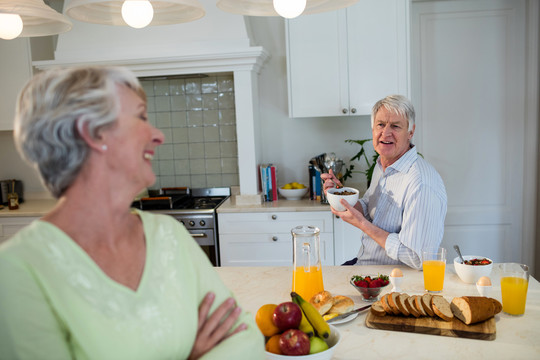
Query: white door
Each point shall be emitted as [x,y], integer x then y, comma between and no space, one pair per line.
[468,71]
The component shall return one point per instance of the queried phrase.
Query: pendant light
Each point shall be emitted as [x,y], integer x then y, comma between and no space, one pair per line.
[158,12]
[25,18]
[267,7]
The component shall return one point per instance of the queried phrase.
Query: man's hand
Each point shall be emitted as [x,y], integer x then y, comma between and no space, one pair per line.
[330,180]
[215,328]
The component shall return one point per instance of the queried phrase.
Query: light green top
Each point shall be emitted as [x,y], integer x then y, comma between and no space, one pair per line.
[56,303]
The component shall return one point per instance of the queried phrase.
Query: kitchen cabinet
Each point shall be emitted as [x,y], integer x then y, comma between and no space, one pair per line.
[264,238]
[10,225]
[15,70]
[346,241]
[340,63]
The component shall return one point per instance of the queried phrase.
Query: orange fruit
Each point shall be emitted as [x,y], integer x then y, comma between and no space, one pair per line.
[272,345]
[264,321]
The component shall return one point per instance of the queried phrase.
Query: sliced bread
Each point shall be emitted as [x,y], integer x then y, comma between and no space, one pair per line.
[473,309]
[426,304]
[441,307]
[384,303]
[409,302]
[392,302]
[418,304]
[377,308]
[400,302]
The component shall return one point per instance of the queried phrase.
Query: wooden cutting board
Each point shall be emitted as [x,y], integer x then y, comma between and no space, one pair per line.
[435,326]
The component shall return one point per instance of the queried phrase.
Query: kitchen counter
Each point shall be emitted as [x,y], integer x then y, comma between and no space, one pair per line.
[305,204]
[30,208]
[516,337]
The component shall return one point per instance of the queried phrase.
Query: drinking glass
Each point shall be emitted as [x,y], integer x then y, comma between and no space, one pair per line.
[514,284]
[434,265]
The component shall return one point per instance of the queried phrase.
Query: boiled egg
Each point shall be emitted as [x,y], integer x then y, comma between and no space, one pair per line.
[484,281]
[396,273]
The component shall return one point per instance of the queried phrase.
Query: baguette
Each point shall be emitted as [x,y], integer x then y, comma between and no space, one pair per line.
[377,308]
[392,302]
[426,303]
[409,302]
[418,305]
[473,309]
[442,308]
[400,302]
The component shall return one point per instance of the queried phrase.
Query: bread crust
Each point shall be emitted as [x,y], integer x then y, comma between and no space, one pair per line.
[400,302]
[441,307]
[384,303]
[411,307]
[392,302]
[341,304]
[418,305]
[322,301]
[377,308]
[474,309]
[426,304]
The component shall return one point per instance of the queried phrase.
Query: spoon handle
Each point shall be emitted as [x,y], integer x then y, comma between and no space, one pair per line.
[459,253]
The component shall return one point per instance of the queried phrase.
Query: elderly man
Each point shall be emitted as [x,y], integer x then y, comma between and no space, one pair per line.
[404,208]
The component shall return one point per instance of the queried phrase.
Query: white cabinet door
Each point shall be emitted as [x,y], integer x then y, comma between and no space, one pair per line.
[264,238]
[15,70]
[346,241]
[340,63]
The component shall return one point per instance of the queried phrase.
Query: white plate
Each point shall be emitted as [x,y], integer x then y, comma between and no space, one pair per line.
[345,320]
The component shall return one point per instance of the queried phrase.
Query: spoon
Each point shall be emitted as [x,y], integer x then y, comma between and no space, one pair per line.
[459,253]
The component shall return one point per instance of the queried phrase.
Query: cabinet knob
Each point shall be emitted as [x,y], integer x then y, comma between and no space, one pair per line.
[344,111]
[274,217]
[353,111]
[274,238]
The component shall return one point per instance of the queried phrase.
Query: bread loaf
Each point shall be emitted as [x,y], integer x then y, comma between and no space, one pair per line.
[441,308]
[473,309]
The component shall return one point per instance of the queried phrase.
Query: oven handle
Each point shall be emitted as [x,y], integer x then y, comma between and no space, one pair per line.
[199,235]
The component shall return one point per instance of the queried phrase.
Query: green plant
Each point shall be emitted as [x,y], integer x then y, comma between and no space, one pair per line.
[361,155]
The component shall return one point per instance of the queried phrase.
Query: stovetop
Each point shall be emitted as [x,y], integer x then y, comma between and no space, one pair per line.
[178,200]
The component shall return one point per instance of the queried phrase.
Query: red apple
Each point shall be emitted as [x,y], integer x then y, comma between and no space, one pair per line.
[294,342]
[287,316]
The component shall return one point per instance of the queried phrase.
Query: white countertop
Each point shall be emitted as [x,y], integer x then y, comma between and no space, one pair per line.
[305,204]
[516,337]
[30,208]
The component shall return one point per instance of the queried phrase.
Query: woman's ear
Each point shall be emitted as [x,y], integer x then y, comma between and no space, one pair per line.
[94,142]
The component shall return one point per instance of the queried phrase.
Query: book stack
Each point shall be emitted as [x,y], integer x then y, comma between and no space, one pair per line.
[268,182]
[315,184]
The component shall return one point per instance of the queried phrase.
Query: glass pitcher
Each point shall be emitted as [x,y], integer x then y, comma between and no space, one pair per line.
[307,268]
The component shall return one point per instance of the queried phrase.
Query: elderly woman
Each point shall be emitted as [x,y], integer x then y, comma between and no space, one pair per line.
[94,279]
[403,210]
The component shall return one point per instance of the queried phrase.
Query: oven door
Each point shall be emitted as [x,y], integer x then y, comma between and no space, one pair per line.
[203,237]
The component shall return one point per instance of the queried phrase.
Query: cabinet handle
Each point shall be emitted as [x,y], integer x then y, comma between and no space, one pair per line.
[344,111]
[274,217]
[353,111]
[274,238]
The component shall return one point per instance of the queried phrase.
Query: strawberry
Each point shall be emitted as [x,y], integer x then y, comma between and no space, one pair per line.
[376,283]
[361,283]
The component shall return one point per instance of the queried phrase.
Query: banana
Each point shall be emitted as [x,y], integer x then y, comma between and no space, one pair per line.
[316,320]
[305,325]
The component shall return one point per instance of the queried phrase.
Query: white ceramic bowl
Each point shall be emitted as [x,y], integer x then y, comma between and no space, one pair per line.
[471,273]
[293,194]
[334,200]
[332,341]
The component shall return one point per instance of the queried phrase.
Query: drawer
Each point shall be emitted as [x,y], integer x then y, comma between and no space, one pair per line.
[273,222]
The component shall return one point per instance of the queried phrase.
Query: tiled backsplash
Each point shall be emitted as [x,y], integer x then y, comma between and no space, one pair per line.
[197,116]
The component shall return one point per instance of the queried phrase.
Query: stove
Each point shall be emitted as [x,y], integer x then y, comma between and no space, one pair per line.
[195,209]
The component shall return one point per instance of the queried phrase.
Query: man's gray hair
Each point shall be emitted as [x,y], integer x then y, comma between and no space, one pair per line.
[53,107]
[399,104]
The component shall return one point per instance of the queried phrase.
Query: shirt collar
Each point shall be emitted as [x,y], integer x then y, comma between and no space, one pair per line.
[404,163]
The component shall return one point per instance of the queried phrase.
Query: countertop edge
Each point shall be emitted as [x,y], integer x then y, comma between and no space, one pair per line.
[230,206]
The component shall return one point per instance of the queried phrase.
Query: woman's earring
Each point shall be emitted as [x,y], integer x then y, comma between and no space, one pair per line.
[104,147]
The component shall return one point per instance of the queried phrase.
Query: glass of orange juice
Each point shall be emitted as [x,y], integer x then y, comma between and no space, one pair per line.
[514,285]
[307,268]
[434,265]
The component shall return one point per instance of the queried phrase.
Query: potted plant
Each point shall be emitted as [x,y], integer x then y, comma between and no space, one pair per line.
[359,156]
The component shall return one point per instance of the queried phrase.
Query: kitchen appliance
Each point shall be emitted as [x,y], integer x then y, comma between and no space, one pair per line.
[195,209]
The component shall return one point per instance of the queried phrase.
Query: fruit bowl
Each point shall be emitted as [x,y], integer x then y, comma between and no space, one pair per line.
[369,294]
[292,194]
[471,273]
[334,197]
[332,341]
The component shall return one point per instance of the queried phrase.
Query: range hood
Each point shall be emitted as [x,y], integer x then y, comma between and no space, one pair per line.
[219,42]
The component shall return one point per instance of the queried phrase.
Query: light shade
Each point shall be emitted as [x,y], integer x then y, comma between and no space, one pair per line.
[166,12]
[266,7]
[38,18]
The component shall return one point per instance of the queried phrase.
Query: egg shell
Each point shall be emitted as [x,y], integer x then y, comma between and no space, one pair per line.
[484,281]
[396,273]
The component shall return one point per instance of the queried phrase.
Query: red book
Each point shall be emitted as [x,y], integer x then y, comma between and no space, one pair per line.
[274,182]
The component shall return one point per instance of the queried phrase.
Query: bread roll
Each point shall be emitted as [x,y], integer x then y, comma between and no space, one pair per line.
[441,308]
[341,305]
[377,308]
[473,309]
[322,301]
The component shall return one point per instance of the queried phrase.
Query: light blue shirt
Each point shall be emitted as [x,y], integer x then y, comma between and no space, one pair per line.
[408,200]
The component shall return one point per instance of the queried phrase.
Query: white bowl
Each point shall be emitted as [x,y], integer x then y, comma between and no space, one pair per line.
[293,194]
[334,200]
[332,341]
[471,273]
